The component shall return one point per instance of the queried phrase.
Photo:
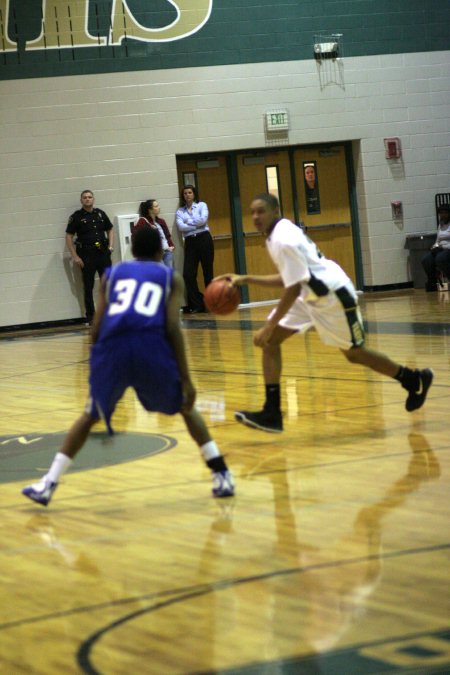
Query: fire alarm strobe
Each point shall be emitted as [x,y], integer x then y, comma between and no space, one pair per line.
[393,148]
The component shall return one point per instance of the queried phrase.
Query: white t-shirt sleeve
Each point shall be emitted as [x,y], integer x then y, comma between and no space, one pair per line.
[292,264]
[298,260]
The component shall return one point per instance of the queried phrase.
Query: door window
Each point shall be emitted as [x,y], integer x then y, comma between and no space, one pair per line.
[273,183]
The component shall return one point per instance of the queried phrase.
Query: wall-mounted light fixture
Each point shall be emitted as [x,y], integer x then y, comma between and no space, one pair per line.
[326,50]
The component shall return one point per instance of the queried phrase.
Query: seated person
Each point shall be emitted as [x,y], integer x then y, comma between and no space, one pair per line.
[437,261]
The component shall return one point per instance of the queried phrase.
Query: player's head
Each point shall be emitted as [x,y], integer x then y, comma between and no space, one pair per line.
[146,243]
[188,195]
[265,211]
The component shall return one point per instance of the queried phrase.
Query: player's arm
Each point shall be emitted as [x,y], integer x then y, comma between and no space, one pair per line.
[273,280]
[99,311]
[176,339]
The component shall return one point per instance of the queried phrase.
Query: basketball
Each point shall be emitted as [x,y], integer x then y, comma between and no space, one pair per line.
[221,297]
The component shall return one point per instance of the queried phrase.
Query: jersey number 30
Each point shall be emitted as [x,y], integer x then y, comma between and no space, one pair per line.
[147,299]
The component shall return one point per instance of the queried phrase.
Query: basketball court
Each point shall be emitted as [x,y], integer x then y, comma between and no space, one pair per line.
[333,557]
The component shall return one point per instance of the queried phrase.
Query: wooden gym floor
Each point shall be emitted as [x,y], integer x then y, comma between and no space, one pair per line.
[332,558]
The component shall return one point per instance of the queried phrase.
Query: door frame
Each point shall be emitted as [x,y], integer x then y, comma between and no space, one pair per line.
[236,206]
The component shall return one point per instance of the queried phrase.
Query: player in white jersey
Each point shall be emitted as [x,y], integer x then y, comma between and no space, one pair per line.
[317,293]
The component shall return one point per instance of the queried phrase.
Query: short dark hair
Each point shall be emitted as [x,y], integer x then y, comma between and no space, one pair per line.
[146,243]
[84,192]
[271,200]
[443,207]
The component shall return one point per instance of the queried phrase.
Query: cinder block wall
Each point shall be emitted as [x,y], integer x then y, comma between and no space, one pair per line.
[119,133]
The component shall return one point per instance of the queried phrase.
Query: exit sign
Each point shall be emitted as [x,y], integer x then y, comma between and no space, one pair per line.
[277,120]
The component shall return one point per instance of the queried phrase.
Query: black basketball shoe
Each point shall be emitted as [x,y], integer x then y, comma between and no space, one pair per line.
[263,420]
[417,395]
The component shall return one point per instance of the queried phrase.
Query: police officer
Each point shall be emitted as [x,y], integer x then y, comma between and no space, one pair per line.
[91,250]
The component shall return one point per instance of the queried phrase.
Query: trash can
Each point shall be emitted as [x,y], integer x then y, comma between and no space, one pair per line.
[418,245]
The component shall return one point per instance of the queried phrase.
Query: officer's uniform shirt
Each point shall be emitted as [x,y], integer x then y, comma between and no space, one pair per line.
[90,228]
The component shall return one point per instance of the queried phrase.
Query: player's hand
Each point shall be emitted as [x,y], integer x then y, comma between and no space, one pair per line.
[234,279]
[262,336]
[189,395]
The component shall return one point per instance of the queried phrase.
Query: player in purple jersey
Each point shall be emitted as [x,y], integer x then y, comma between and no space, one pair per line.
[137,342]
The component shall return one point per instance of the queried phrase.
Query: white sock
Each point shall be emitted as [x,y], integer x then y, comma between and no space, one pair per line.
[59,466]
[210,450]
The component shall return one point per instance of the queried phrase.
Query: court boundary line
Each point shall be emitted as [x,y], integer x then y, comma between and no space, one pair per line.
[202,589]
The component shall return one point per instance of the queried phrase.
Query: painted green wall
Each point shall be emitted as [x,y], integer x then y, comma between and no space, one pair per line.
[236,31]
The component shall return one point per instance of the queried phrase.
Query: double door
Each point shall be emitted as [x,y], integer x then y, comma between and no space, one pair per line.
[229,182]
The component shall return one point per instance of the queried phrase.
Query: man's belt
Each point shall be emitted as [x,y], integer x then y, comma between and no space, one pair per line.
[96,246]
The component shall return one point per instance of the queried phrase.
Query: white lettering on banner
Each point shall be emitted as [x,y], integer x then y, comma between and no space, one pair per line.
[65,24]
[6,45]
[191,16]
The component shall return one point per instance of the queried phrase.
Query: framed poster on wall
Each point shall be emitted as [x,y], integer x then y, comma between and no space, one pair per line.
[190,178]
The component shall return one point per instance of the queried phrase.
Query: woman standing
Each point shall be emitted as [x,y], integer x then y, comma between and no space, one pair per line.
[437,261]
[149,215]
[192,221]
